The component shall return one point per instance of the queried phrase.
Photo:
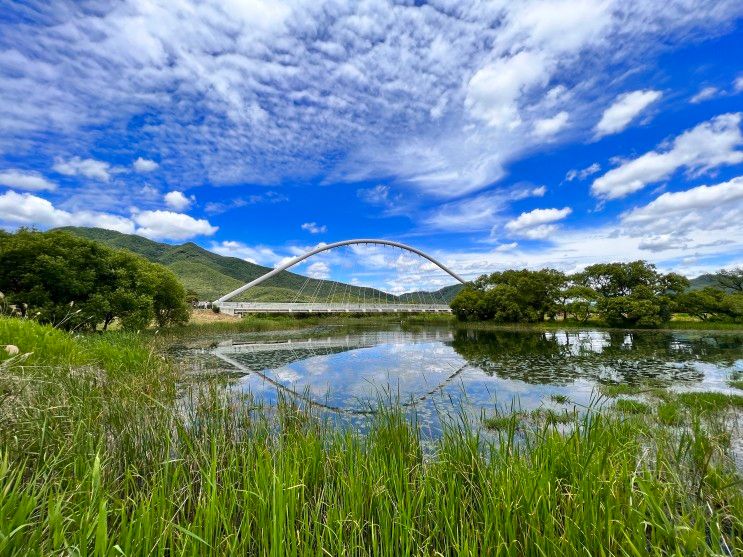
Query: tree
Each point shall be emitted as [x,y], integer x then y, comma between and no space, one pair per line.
[580,302]
[633,293]
[730,279]
[79,284]
[704,304]
[510,296]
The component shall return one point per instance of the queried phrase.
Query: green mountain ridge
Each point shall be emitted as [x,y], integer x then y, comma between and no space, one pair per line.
[211,275]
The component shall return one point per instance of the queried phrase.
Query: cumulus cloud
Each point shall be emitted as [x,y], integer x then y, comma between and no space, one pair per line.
[318,270]
[90,168]
[494,91]
[624,110]
[583,173]
[704,147]
[704,95]
[25,180]
[727,196]
[537,223]
[738,84]
[314,228]
[145,165]
[547,127]
[159,225]
[260,255]
[177,200]
[33,211]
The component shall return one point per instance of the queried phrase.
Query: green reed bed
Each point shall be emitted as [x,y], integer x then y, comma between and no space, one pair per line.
[101,454]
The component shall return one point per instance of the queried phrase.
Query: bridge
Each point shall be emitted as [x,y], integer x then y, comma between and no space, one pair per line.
[378,302]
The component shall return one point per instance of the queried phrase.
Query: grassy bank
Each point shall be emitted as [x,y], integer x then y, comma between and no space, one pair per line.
[99,457]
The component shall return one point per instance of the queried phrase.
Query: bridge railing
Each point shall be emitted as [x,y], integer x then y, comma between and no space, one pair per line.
[238,308]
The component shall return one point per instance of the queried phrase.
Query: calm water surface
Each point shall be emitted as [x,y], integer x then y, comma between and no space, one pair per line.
[437,371]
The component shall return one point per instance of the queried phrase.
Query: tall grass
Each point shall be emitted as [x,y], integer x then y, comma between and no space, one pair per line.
[102,455]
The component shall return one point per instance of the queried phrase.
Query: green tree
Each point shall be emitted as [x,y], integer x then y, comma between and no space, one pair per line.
[511,296]
[708,303]
[633,293]
[75,283]
[730,279]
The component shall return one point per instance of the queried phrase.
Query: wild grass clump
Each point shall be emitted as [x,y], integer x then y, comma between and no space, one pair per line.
[106,457]
[708,402]
[614,390]
[629,406]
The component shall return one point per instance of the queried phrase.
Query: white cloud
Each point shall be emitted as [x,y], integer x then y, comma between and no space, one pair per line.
[550,126]
[25,180]
[476,213]
[537,223]
[538,191]
[314,228]
[666,208]
[584,173]
[738,84]
[265,92]
[663,242]
[29,210]
[178,201]
[260,255]
[378,195]
[218,207]
[624,110]
[145,165]
[494,91]
[704,95]
[318,270]
[507,247]
[90,168]
[708,145]
[170,225]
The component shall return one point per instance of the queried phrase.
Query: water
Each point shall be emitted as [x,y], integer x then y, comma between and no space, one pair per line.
[438,371]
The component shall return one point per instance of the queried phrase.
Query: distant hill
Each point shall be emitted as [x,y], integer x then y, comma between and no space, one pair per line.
[703,281]
[211,275]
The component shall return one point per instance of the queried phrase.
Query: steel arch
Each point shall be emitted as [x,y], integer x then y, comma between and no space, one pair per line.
[334,245]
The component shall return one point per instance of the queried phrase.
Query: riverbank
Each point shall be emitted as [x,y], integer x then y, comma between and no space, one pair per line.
[100,454]
[206,321]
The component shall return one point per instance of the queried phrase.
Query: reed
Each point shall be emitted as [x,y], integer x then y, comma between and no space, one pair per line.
[102,452]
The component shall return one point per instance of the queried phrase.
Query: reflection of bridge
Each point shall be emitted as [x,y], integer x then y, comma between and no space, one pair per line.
[303,349]
[345,306]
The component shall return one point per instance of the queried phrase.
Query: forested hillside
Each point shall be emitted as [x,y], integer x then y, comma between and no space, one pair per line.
[210,275]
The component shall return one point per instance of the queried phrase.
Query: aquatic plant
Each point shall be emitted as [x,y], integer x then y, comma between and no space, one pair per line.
[100,454]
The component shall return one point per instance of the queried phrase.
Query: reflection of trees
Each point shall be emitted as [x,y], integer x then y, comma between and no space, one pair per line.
[546,357]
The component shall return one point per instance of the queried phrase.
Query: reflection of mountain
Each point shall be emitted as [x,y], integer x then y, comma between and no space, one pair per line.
[561,357]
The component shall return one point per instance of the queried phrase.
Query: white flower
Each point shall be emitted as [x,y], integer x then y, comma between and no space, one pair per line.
[12,349]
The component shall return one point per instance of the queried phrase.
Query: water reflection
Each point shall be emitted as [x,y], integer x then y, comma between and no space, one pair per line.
[439,369]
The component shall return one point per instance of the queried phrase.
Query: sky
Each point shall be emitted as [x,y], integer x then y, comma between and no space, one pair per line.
[492,135]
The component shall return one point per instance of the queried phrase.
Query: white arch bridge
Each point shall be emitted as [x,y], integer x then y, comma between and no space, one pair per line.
[345,301]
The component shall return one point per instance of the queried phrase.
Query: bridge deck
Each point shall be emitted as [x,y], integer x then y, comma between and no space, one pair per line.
[239,308]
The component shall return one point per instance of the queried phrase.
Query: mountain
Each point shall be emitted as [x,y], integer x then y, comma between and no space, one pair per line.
[211,275]
[703,281]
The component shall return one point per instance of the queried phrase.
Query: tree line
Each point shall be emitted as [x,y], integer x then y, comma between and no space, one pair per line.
[620,294]
[78,284]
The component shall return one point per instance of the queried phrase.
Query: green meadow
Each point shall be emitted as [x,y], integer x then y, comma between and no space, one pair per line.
[106,450]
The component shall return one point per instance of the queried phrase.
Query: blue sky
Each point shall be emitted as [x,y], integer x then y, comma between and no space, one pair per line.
[491,134]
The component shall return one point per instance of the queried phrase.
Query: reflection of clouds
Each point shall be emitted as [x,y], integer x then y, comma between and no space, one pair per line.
[583,341]
[285,375]
[508,369]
